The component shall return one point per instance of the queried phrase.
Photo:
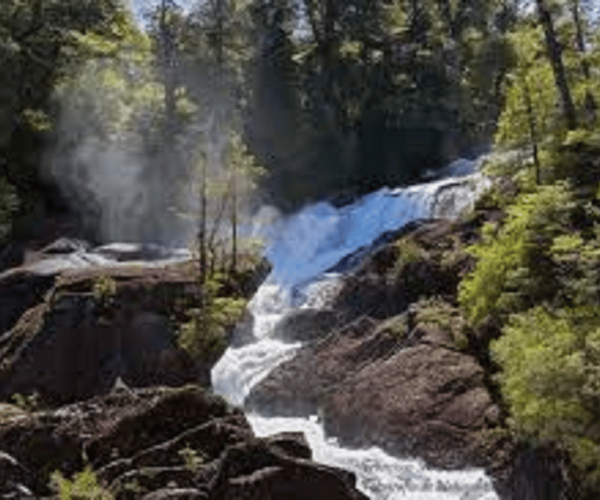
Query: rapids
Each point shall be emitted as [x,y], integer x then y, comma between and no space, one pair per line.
[303,249]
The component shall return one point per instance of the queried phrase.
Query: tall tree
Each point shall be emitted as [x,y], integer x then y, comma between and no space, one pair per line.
[554,50]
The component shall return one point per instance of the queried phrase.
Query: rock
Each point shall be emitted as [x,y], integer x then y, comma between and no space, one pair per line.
[243,333]
[391,278]
[135,483]
[304,325]
[412,393]
[15,478]
[82,337]
[162,420]
[296,387]
[164,443]
[65,246]
[20,290]
[256,471]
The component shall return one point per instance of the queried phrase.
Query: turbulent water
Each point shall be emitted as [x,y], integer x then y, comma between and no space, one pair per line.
[302,248]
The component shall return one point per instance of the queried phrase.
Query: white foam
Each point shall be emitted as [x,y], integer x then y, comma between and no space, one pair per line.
[301,248]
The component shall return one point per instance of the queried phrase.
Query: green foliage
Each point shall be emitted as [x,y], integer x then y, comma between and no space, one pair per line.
[409,252]
[84,486]
[512,265]
[551,379]
[29,403]
[204,335]
[395,327]
[192,459]
[104,289]
[438,313]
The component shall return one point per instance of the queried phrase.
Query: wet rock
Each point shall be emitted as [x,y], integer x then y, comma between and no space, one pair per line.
[297,387]
[410,392]
[305,325]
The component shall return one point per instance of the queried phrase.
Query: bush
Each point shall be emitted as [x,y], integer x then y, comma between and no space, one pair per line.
[104,289]
[84,486]
[438,313]
[514,268]
[551,380]
[204,335]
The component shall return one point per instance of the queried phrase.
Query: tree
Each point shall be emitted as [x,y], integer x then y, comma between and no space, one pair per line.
[554,50]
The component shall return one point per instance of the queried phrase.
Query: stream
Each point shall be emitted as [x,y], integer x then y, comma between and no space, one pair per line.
[304,249]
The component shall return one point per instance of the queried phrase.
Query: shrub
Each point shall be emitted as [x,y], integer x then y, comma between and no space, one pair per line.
[512,270]
[104,289]
[438,313]
[551,379]
[395,327]
[84,486]
[204,335]
[29,403]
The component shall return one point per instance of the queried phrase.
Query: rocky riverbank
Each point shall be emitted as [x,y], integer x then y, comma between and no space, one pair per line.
[156,444]
[392,362]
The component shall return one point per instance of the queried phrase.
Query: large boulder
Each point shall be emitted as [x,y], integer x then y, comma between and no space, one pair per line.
[407,388]
[99,324]
[428,261]
[165,443]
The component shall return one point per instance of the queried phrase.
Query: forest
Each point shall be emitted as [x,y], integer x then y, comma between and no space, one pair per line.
[314,99]
[214,108]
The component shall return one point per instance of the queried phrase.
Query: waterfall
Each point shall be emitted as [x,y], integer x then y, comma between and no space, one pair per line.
[303,250]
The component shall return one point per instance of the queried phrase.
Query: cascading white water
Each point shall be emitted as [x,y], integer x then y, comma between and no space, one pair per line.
[302,248]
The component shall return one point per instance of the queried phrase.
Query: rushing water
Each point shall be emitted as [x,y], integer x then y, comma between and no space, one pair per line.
[302,248]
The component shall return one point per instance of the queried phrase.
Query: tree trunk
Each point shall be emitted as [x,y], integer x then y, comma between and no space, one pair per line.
[167,55]
[202,239]
[555,54]
[590,103]
[234,222]
[532,129]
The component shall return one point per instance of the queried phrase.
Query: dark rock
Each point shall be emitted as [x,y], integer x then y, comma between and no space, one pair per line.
[16,479]
[135,483]
[256,471]
[20,290]
[166,443]
[41,448]
[304,325]
[412,392]
[79,340]
[293,444]
[164,419]
[209,440]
